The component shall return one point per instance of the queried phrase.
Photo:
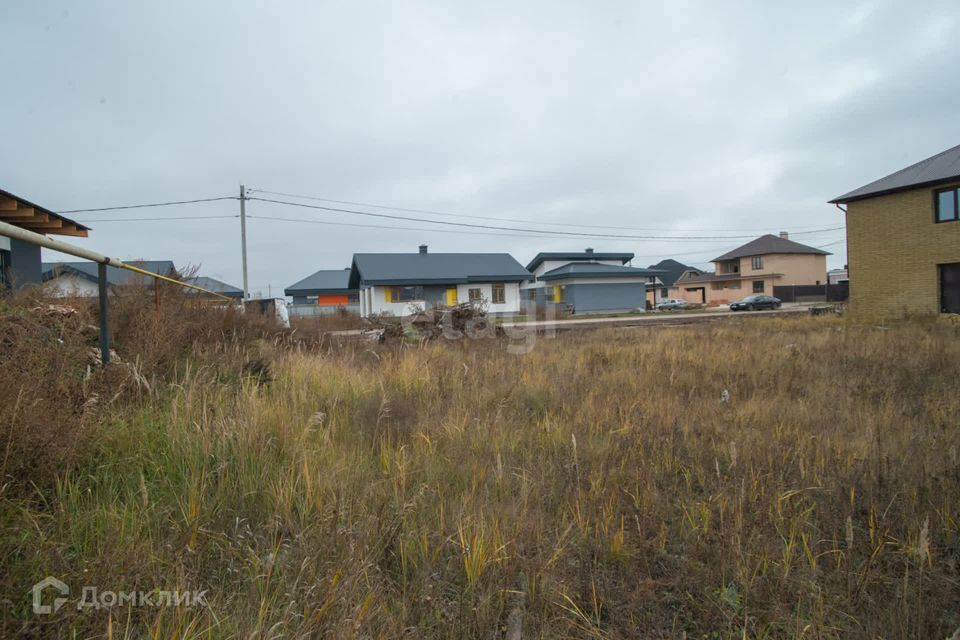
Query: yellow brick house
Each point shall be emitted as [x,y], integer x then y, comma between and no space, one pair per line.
[903,241]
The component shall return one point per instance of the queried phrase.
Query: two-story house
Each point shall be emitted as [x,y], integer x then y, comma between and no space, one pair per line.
[903,240]
[757,267]
[590,282]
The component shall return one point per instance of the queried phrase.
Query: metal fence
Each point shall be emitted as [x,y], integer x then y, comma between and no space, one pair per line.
[813,292]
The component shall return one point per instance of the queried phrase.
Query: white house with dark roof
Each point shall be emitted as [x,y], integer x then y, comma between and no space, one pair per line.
[81,280]
[590,282]
[400,283]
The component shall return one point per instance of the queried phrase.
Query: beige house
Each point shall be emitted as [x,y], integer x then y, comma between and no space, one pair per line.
[671,285]
[903,241]
[756,267]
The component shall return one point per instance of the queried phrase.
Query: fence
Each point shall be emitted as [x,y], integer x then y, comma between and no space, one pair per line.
[813,292]
[312,310]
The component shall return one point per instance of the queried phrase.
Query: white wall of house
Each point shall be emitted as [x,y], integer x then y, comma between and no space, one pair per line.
[70,285]
[373,299]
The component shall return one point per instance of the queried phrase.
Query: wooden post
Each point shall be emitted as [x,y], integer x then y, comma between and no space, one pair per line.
[104,326]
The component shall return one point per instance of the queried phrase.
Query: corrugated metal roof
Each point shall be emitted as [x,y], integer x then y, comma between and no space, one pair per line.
[943,167]
[595,270]
[212,284]
[767,244]
[540,258]
[323,281]
[114,275]
[435,268]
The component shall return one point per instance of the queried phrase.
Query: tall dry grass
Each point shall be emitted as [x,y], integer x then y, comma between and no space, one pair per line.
[761,478]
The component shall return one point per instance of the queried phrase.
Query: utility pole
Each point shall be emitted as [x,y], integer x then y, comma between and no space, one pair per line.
[243,238]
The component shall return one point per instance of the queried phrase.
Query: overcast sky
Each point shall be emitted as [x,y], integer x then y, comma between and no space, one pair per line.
[680,118]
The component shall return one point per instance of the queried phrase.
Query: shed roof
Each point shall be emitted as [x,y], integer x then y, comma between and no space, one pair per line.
[589,254]
[115,276]
[943,167]
[767,244]
[32,217]
[596,270]
[435,268]
[323,281]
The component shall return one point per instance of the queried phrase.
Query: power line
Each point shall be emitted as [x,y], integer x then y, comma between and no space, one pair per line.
[152,204]
[567,234]
[153,219]
[476,217]
[420,229]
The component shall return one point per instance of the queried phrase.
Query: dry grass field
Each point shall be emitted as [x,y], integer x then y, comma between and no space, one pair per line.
[758,478]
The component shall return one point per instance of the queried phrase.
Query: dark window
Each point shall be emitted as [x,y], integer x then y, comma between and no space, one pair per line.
[756,262]
[947,205]
[950,288]
[758,286]
[476,295]
[499,295]
[404,294]
[4,265]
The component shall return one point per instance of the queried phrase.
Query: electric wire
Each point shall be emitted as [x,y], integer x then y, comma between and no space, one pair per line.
[151,204]
[567,234]
[456,215]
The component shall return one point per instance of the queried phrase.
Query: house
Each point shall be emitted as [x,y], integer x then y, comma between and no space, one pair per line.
[838,276]
[757,267]
[589,282]
[80,279]
[211,284]
[673,273]
[323,292]
[903,240]
[20,263]
[399,283]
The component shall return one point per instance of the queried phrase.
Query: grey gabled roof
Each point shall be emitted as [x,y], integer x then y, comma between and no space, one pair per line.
[594,270]
[671,270]
[435,268]
[767,244]
[115,276]
[943,167]
[540,258]
[212,284]
[323,281]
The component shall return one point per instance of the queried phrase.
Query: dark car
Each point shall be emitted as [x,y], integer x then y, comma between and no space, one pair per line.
[751,303]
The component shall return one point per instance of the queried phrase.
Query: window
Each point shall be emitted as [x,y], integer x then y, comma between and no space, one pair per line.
[499,293]
[734,285]
[4,265]
[756,262]
[946,205]
[758,286]
[476,295]
[402,294]
[950,288]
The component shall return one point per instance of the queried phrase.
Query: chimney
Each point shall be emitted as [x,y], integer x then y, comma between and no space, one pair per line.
[423,249]
[589,250]
[784,235]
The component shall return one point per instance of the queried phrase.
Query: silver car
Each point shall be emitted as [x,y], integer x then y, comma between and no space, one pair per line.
[672,303]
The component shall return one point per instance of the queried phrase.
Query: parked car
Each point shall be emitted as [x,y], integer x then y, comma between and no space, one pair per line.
[751,303]
[672,303]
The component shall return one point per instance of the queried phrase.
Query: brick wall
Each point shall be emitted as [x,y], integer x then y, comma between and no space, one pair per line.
[893,249]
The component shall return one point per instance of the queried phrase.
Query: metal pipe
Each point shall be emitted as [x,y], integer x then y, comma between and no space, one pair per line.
[32,237]
[104,327]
